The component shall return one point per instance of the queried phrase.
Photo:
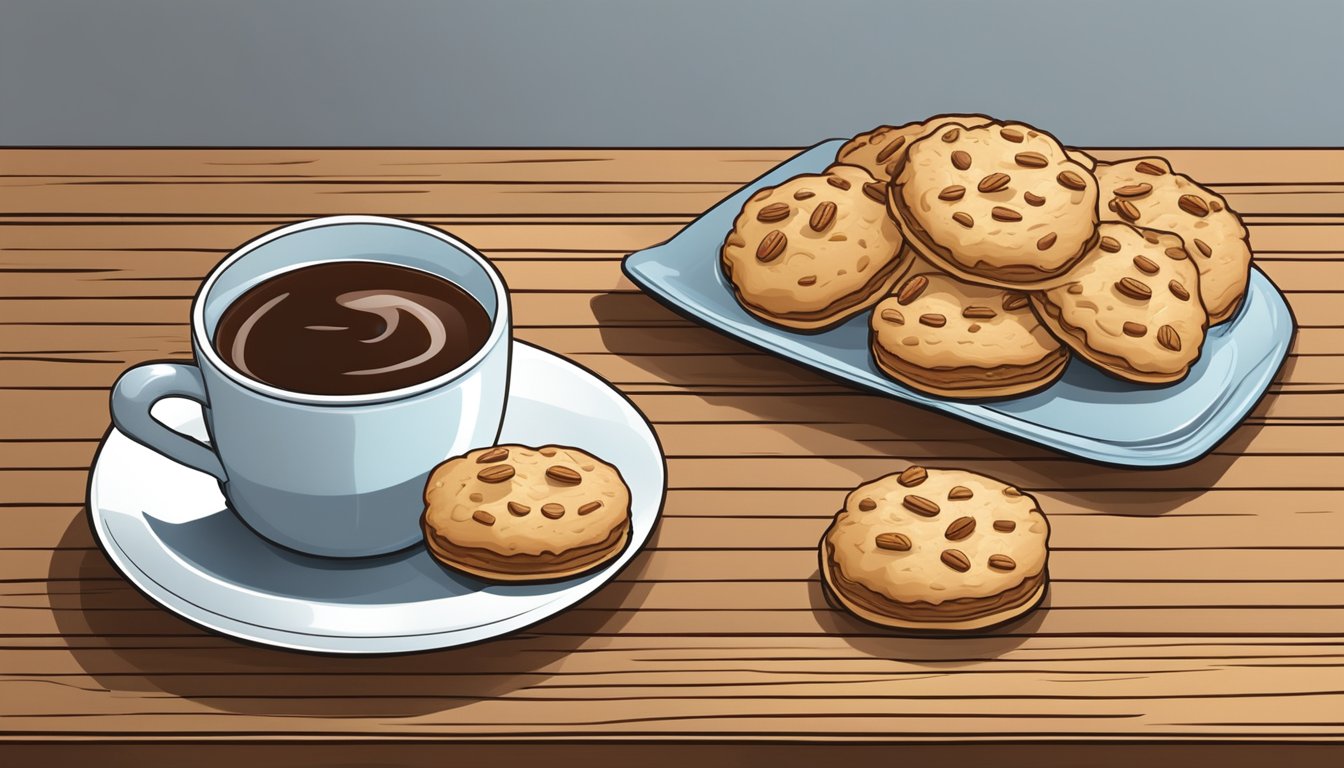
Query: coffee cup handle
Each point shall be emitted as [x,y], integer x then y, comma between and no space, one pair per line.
[139,389]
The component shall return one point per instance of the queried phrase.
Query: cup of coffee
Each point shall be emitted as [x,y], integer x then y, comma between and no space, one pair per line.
[337,362]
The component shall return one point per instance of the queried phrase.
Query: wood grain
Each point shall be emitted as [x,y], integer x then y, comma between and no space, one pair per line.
[1188,606]
[212,752]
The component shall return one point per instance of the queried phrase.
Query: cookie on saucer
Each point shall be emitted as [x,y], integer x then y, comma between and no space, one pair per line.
[956,339]
[1146,192]
[815,250]
[1131,307]
[1002,204]
[937,549]
[514,513]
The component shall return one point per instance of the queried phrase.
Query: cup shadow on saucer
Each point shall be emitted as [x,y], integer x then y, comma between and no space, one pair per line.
[222,546]
[130,646]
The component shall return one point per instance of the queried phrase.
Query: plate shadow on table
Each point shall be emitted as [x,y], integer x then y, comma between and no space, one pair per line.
[132,647]
[889,425]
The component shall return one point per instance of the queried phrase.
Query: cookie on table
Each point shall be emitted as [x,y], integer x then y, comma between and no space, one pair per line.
[1145,191]
[951,338]
[881,150]
[815,250]
[514,513]
[1132,306]
[1001,204]
[937,549]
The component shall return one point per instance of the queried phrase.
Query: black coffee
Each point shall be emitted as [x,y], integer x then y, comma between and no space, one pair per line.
[351,328]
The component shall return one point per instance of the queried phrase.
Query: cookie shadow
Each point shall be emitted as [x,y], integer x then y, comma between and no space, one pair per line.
[856,424]
[931,649]
[132,647]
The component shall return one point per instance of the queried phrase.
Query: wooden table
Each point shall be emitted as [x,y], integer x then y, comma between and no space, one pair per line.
[1191,609]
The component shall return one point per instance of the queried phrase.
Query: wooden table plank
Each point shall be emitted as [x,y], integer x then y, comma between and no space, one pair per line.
[1197,603]
[1316,309]
[737,165]
[168,274]
[339,750]
[46,195]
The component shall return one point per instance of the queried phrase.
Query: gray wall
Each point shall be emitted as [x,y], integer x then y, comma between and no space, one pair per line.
[683,72]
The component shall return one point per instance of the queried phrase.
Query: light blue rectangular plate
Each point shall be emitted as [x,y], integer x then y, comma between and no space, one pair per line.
[1084,413]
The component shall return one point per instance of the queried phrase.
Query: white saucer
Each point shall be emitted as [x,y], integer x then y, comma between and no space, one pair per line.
[168,530]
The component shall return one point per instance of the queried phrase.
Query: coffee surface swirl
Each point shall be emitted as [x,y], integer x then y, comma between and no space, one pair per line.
[350,328]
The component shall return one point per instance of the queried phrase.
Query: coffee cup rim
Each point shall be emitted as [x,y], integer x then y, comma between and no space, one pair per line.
[205,347]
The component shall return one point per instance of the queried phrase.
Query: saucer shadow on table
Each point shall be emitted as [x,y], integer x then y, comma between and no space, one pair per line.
[132,647]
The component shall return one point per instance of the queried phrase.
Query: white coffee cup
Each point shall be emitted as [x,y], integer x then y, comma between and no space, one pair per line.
[334,475]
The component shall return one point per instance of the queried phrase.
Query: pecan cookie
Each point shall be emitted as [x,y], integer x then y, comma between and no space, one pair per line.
[1146,192]
[1001,204]
[815,250]
[881,150]
[937,549]
[514,513]
[1132,306]
[951,338]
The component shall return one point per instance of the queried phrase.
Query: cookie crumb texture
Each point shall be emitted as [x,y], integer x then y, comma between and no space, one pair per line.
[881,151]
[1147,192]
[815,250]
[513,512]
[1132,306]
[937,548]
[1003,203]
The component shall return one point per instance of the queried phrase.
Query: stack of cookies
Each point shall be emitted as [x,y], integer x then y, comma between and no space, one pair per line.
[986,251]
